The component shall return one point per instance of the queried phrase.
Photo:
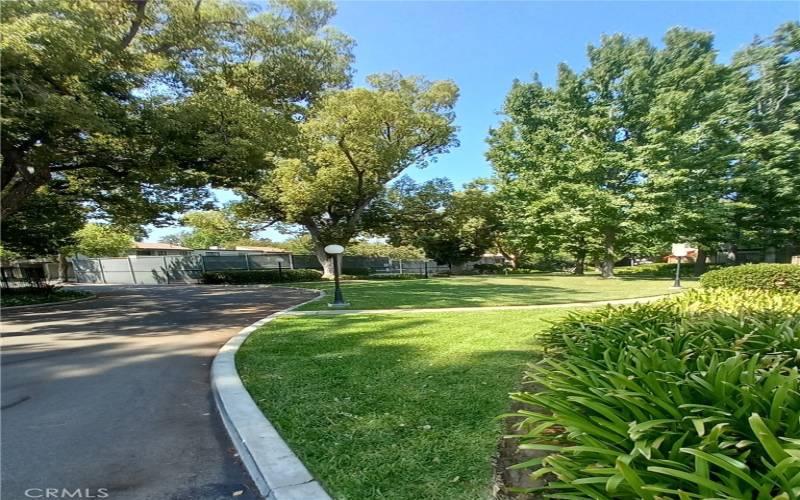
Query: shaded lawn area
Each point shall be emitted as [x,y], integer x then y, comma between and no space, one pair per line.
[395,406]
[477,291]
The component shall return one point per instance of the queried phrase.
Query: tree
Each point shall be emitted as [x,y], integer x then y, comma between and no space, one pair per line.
[690,145]
[766,112]
[632,153]
[44,225]
[450,227]
[101,240]
[137,106]
[572,148]
[218,228]
[353,143]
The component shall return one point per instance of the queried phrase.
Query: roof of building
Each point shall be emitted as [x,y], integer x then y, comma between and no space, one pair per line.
[262,249]
[146,245]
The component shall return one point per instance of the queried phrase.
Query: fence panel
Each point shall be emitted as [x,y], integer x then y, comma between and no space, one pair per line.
[224,262]
[269,261]
[87,271]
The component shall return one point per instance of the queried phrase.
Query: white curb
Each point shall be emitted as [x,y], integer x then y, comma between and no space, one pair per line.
[275,469]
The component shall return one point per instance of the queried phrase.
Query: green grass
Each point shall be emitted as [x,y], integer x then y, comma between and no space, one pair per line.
[393,406]
[479,291]
[26,299]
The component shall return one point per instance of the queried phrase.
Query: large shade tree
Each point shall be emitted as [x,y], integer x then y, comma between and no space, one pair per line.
[765,110]
[636,151]
[353,143]
[137,106]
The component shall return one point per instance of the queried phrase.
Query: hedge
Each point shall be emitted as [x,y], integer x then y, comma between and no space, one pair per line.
[782,277]
[696,396]
[660,269]
[260,276]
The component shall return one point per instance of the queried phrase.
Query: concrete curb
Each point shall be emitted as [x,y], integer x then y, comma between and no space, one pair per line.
[45,304]
[275,469]
[337,312]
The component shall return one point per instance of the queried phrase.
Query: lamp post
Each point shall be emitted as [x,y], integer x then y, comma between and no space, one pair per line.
[335,251]
[679,250]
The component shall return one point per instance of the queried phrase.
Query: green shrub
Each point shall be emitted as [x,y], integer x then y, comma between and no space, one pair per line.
[489,268]
[695,396]
[357,271]
[659,270]
[785,277]
[260,276]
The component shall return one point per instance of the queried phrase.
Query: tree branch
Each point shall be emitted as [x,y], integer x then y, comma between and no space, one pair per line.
[135,24]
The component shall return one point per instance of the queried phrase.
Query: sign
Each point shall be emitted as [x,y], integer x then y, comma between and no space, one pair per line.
[679,250]
[334,249]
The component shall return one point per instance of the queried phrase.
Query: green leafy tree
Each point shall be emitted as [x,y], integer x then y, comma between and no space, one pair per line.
[138,106]
[101,240]
[567,154]
[219,228]
[766,112]
[44,225]
[631,154]
[354,142]
[450,227]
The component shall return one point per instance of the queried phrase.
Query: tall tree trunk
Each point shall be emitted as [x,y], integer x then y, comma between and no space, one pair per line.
[700,261]
[607,265]
[63,266]
[580,263]
[324,259]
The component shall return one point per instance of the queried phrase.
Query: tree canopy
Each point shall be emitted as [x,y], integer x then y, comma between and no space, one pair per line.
[354,142]
[137,107]
[650,145]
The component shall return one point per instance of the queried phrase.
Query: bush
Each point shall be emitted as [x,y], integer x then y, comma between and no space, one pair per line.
[784,277]
[695,396]
[356,271]
[489,268]
[260,276]
[38,295]
[659,270]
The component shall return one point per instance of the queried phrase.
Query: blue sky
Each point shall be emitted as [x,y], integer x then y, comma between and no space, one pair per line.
[484,46]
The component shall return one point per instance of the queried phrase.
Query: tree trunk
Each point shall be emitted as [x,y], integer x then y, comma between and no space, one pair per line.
[607,265]
[324,259]
[580,263]
[700,261]
[62,268]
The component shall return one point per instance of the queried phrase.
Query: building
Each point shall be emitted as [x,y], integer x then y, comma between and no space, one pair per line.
[146,249]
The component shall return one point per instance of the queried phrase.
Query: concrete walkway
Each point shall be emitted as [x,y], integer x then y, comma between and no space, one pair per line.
[336,312]
[114,394]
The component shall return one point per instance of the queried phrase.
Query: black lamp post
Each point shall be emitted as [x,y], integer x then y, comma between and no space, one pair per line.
[335,251]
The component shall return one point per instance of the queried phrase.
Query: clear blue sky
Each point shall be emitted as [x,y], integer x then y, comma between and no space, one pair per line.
[484,46]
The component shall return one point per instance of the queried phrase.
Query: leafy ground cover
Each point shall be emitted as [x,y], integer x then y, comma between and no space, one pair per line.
[694,396]
[9,299]
[477,291]
[393,406]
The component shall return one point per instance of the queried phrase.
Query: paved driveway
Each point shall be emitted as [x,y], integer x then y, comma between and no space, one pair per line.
[114,393]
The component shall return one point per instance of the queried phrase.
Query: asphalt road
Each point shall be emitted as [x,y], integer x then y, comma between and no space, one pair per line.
[112,396]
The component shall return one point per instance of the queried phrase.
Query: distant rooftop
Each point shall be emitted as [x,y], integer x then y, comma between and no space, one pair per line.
[262,249]
[144,245]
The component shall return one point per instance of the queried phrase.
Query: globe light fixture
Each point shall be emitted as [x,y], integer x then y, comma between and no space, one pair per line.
[334,251]
[679,250]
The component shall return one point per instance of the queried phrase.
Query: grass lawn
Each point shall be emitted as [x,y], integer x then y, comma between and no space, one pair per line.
[25,299]
[400,406]
[477,291]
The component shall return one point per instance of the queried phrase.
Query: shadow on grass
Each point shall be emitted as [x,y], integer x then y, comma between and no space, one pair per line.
[400,407]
